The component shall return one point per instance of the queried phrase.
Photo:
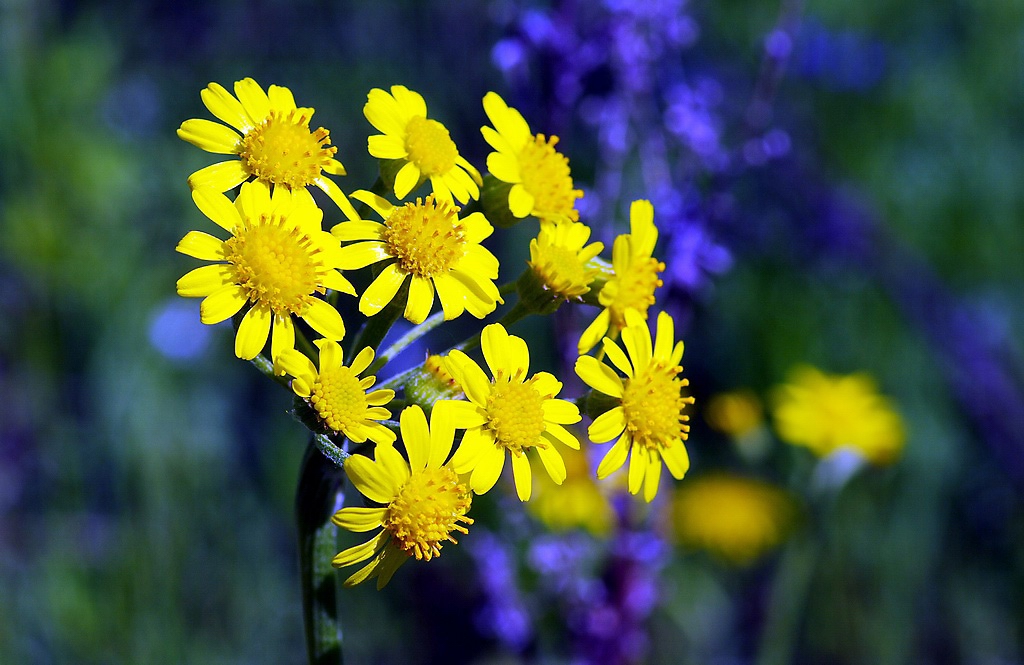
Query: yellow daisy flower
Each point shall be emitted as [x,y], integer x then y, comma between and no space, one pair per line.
[277,258]
[337,394]
[423,144]
[559,256]
[508,413]
[736,414]
[635,279]
[649,420]
[425,503]
[273,142]
[426,244]
[735,518]
[539,174]
[826,412]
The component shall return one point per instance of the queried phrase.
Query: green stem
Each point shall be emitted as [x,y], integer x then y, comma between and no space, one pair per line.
[407,339]
[319,492]
[266,368]
[376,327]
[330,449]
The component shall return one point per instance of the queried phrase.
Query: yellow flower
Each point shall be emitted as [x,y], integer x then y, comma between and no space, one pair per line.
[277,258]
[735,518]
[539,174]
[559,256]
[635,279]
[427,244]
[424,500]
[423,144]
[509,413]
[338,395]
[576,503]
[736,414]
[648,419]
[825,412]
[273,142]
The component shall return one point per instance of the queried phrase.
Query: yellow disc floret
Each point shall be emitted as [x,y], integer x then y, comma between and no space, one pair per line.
[516,415]
[339,398]
[282,149]
[430,146]
[545,174]
[425,236]
[431,506]
[653,406]
[634,288]
[276,264]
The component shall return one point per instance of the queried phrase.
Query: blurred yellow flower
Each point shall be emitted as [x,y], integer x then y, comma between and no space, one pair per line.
[737,519]
[337,394]
[426,244]
[423,144]
[509,413]
[425,503]
[648,418]
[827,412]
[277,258]
[736,413]
[539,174]
[635,277]
[578,503]
[273,142]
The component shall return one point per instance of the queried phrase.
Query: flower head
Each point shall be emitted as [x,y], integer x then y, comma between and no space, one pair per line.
[338,395]
[424,145]
[507,413]
[635,279]
[428,245]
[648,418]
[827,412]
[273,142]
[735,518]
[736,414]
[539,174]
[559,256]
[277,259]
[424,502]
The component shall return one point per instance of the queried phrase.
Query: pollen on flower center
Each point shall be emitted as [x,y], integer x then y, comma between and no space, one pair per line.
[561,270]
[516,415]
[430,146]
[635,288]
[339,399]
[284,151]
[428,508]
[654,407]
[545,175]
[276,264]
[426,237]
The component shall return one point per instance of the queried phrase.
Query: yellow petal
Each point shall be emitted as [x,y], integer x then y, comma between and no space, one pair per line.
[614,458]
[406,180]
[334,192]
[442,436]
[210,136]
[362,360]
[253,332]
[324,319]
[393,464]
[222,304]
[205,280]
[416,436]
[331,356]
[520,201]
[254,100]
[296,364]
[676,458]
[556,432]
[618,358]
[652,476]
[219,177]
[281,98]
[637,467]
[608,425]
[370,479]
[359,552]
[523,477]
[553,463]
[665,337]
[359,519]
[599,376]
[560,411]
[225,107]
[361,254]
[597,329]
[201,246]
[382,290]
[283,334]
[487,469]
[421,299]
[386,147]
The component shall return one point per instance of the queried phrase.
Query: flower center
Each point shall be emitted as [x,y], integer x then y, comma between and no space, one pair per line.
[339,399]
[545,175]
[283,150]
[430,146]
[560,269]
[654,406]
[428,508]
[426,237]
[634,288]
[515,414]
[276,264]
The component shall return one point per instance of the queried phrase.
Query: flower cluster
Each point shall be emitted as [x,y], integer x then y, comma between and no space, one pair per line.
[398,249]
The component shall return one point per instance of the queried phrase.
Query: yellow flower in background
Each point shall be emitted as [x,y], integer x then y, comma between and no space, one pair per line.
[559,256]
[736,413]
[737,519]
[578,503]
[827,412]
[424,502]
[428,245]
[277,259]
[635,278]
[424,144]
[273,142]
[508,413]
[337,394]
[648,419]
[539,174]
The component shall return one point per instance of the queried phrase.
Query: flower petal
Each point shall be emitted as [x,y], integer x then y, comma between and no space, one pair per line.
[225,107]
[210,136]
[222,304]
[393,464]
[652,476]
[219,177]
[416,436]
[614,458]
[382,290]
[608,425]
[324,319]
[560,411]
[359,519]
[421,299]
[676,458]
[283,334]
[254,100]
[556,432]
[253,332]
[487,469]
[201,246]
[523,477]
[205,280]
[370,479]
[553,463]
